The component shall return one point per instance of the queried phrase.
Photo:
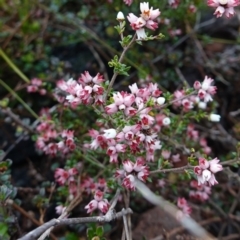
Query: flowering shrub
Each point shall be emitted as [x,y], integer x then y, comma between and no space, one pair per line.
[138,134]
[133,125]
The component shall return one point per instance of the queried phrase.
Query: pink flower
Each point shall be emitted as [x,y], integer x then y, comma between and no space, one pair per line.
[32,88]
[205,90]
[86,90]
[60,209]
[98,203]
[67,134]
[192,133]
[192,8]
[197,85]
[61,176]
[119,173]
[128,2]
[128,182]
[98,195]
[206,170]
[174,3]
[72,171]
[102,183]
[198,170]
[215,166]
[161,183]
[183,205]
[128,166]
[103,206]
[207,83]
[146,19]
[176,158]
[92,206]
[166,154]
[136,22]
[187,105]
[223,6]
[203,163]
[36,82]
[201,193]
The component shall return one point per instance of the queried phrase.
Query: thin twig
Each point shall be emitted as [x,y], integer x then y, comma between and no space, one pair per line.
[120,61]
[73,204]
[126,227]
[68,221]
[16,119]
[24,213]
[99,60]
[179,169]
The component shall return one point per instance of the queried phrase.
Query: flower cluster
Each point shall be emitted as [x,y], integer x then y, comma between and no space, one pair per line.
[223,7]
[69,178]
[204,94]
[36,86]
[130,170]
[201,192]
[137,137]
[206,169]
[131,125]
[205,90]
[88,185]
[48,138]
[98,203]
[146,19]
[65,176]
[87,90]
[183,205]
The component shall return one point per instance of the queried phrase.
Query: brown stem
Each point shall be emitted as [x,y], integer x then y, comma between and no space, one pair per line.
[24,213]
[120,61]
[179,169]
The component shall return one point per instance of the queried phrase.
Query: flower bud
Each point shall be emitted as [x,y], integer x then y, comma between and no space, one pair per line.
[120,16]
[197,85]
[214,117]
[161,100]
[110,133]
[203,163]
[166,121]
[202,105]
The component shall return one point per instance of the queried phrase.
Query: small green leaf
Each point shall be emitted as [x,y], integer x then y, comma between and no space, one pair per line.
[90,233]
[99,231]
[3,229]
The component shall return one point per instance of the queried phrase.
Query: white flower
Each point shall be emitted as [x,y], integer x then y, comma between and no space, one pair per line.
[214,117]
[120,16]
[202,105]
[166,121]
[70,98]
[206,175]
[161,100]
[110,133]
[141,34]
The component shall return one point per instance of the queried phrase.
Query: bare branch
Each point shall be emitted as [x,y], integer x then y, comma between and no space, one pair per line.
[187,222]
[56,222]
